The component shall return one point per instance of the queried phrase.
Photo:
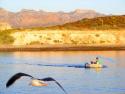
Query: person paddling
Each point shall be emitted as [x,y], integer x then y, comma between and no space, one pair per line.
[98,61]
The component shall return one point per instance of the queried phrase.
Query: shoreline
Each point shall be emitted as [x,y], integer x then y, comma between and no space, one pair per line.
[60,48]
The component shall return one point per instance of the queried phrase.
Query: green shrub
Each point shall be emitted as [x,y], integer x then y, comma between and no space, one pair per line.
[6,38]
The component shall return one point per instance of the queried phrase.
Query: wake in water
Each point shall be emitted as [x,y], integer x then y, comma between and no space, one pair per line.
[63,65]
[60,65]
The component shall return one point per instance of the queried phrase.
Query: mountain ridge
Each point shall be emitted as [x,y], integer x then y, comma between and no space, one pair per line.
[31,18]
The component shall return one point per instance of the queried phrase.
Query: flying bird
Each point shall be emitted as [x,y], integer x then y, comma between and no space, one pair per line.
[34,81]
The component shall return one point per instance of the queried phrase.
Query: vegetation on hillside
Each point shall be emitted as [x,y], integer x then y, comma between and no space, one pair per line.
[99,23]
[6,38]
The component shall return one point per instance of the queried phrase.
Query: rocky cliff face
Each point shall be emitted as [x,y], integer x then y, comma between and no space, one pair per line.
[31,18]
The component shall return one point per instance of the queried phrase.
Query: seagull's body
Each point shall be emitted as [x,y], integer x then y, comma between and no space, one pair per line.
[34,81]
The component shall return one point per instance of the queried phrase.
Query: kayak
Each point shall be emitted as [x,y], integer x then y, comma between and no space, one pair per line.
[87,65]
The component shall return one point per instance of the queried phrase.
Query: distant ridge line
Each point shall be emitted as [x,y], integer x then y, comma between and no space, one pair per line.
[31,18]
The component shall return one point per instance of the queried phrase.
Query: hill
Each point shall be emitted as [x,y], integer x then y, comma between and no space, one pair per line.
[99,23]
[101,31]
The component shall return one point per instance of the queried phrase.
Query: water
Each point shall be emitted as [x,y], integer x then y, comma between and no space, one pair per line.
[110,80]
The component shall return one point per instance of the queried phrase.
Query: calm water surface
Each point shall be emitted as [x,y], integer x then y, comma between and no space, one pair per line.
[110,80]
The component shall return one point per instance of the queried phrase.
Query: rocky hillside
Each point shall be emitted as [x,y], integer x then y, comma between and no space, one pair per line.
[31,18]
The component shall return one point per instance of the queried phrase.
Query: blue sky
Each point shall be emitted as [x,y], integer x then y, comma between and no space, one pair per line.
[103,6]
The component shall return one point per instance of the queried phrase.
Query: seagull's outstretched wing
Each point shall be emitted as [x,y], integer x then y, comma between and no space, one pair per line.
[15,77]
[51,79]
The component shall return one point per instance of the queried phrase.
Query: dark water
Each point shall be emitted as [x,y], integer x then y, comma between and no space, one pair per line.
[61,66]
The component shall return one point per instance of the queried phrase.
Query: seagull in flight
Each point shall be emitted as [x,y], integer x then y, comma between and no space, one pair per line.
[34,81]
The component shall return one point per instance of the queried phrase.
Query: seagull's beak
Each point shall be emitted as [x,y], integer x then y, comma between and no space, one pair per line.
[36,82]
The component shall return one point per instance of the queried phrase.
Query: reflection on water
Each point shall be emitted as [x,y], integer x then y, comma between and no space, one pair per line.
[109,80]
